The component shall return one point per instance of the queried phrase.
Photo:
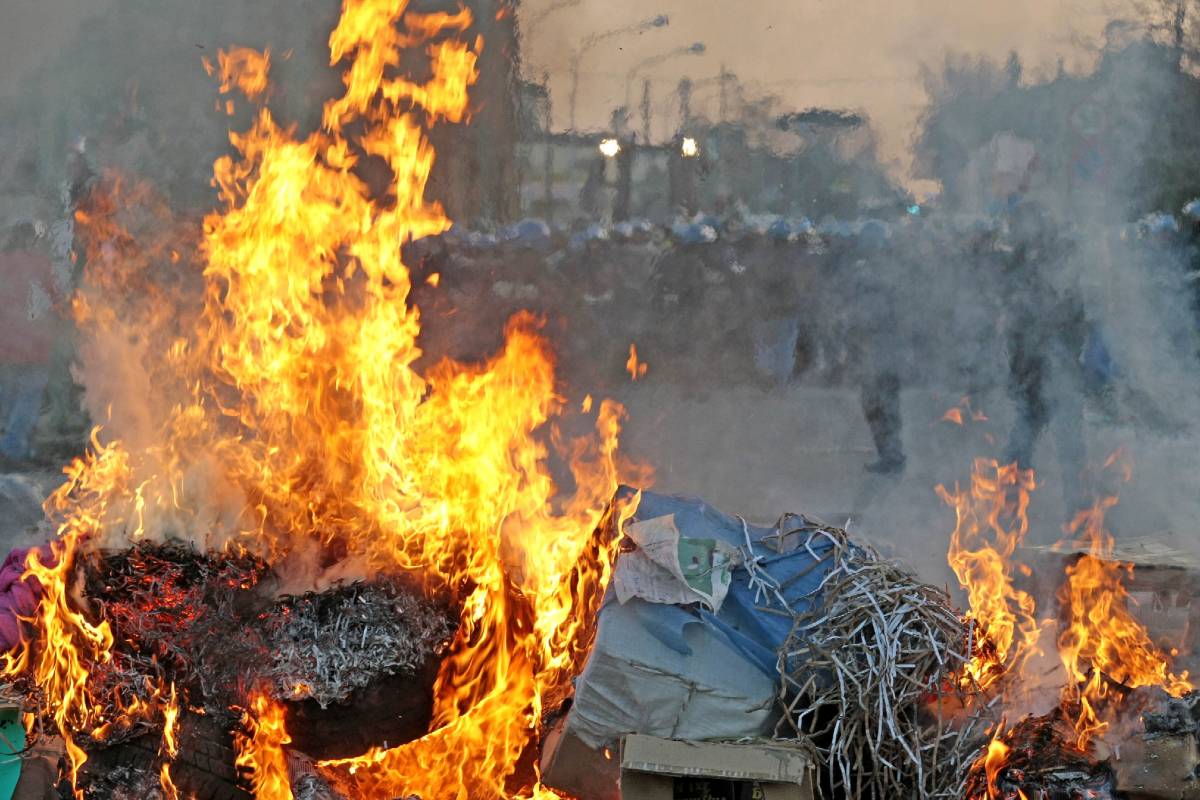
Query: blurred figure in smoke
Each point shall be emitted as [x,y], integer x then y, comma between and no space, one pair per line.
[875,354]
[1046,332]
[28,296]
[593,197]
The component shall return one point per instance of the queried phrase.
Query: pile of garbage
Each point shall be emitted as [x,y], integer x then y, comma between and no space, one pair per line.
[714,629]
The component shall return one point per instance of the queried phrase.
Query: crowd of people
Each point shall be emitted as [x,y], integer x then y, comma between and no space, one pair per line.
[923,300]
[963,305]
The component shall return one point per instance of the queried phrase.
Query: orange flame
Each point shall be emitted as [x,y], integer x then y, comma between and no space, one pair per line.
[170,746]
[169,790]
[246,69]
[293,419]
[1102,641]
[991,522]
[635,368]
[67,643]
[170,723]
[995,760]
[260,749]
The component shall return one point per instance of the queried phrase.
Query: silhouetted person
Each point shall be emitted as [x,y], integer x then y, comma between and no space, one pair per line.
[1046,331]
[873,328]
[28,297]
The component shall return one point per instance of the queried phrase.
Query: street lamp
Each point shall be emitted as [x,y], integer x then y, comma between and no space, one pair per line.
[609,148]
[660,21]
[694,49]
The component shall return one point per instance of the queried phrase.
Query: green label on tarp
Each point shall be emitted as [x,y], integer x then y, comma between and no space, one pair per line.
[704,566]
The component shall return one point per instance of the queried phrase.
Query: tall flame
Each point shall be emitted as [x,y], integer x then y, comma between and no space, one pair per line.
[1102,641]
[991,522]
[293,421]
[260,749]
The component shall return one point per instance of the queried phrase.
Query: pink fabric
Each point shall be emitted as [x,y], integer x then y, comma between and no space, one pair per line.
[18,597]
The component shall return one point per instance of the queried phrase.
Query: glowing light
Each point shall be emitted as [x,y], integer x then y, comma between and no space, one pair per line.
[689,148]
[610,147]
[633,366]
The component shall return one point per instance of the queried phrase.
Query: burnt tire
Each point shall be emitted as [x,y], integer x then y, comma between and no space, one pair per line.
[393,710]
[203,769]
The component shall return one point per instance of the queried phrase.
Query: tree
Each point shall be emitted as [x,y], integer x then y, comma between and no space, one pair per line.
[1175,23]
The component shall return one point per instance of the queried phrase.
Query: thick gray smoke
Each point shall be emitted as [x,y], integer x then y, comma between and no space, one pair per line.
[126,79]
[1031,252]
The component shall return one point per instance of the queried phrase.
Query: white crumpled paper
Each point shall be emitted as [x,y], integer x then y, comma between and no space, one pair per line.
[668,567]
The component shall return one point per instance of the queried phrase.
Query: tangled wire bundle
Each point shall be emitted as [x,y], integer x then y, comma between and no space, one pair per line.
[869,675]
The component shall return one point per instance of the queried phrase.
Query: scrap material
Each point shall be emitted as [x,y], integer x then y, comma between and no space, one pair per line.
[870,675]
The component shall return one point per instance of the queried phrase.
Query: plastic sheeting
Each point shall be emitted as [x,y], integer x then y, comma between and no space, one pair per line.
[681,671]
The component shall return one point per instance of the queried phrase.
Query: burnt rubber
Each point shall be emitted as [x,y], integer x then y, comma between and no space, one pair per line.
[204,767]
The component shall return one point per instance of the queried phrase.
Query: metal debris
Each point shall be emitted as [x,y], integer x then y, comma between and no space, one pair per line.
[208,624]
[324,646]
[870,676]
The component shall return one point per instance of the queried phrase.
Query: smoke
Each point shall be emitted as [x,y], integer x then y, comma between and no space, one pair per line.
[933,302]
[127,78]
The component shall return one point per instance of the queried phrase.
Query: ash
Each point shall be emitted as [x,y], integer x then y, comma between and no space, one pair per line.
[327,645]
[1172,716]
[209,624]
[125,783]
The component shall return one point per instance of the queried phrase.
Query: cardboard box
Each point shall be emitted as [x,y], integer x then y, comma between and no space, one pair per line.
[1158,769]
[580,771]
[667,769]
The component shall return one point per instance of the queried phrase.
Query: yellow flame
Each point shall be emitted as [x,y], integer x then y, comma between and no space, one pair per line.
[169,791]
[995,760]
[1102,641]
[991,522]
[170,723]
[293,418]
[260,749]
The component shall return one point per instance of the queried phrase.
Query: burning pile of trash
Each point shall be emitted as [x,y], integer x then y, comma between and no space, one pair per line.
[259,380]
[789,636]
[385,593]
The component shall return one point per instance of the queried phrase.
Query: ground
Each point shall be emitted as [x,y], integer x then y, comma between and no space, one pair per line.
[760,452]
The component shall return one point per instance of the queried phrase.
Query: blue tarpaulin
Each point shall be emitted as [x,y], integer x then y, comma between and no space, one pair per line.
[684,670]
[742,620]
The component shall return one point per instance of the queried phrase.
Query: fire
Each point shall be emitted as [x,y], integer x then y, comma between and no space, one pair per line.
[993,761]
[169,790]
[170,746]
[293,422]
[635,368]
[170,724]
[68,644]
[991,522]
[959,414]
[1102,641]
[260,749]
